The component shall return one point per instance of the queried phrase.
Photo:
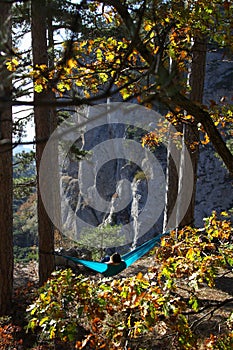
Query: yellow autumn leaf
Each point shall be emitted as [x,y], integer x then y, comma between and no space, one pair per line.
[41,67]
[152,35]
[52,332]
[103,77]
[15,62]
[112,41]
[122,45]
[224,213]
[148,27]
[82,44]
[87,95]
[108,18]
[125,93]
[12,65]
[99,55]
[71,63]
[9,66]
[109,56]
[38,88]
[156,50]
[190,254]
[79,83]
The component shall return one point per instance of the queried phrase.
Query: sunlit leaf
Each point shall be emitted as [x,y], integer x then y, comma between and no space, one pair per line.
[38,88]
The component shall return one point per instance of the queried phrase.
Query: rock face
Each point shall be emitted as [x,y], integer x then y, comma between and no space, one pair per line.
[219,77]
[85,186]
[214,186]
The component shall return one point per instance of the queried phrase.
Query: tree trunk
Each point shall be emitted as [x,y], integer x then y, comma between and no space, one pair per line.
[173,164]
[44,123]
[187,176]
[182,174]
[6,176]
[191,133]
[54,182]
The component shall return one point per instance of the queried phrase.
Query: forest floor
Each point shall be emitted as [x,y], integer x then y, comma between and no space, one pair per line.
[26,283]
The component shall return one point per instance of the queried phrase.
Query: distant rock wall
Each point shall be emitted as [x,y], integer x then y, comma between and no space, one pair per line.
[219,77]
[214,186]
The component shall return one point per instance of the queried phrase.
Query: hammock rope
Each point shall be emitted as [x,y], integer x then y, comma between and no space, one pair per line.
[109,270]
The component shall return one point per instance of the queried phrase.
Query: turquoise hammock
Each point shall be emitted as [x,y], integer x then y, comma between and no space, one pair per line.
[108,270]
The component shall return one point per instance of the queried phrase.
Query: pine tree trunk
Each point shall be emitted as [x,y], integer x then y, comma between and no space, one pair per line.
[191,133]
[180,198]
[172,181]
[6,176]
[44,123]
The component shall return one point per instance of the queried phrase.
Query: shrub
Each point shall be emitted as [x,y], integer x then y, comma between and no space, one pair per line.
[140,175]
[145,310]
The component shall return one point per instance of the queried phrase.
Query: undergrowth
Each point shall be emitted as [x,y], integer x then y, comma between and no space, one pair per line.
[161,309]
[150,311]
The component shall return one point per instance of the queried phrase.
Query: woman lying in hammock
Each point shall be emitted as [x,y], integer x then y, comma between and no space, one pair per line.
[114,259]
[115,264]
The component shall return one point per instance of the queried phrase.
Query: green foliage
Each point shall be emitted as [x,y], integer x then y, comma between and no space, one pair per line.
[116,312]
[95,239]
[24,171]
[124,40]
[140,175]
[195,255]
[76,154]
[25,254]
[24,162]
[25,230]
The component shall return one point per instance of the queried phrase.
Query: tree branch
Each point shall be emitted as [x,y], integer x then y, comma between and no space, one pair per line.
[169,91]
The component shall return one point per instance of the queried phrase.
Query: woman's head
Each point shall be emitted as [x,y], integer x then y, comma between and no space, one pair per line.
[115,258]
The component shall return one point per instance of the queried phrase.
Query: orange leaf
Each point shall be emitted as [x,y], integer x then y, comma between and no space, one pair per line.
[139,276]
[206,140]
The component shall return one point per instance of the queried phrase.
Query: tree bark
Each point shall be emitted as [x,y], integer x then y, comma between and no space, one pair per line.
[44,123]
[191,133]
[172,181]
[6,176]
[201,116]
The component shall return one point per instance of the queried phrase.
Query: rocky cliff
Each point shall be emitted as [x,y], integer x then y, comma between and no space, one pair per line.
[86,186]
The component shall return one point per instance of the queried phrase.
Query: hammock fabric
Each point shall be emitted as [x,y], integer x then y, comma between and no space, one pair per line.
[128,259]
